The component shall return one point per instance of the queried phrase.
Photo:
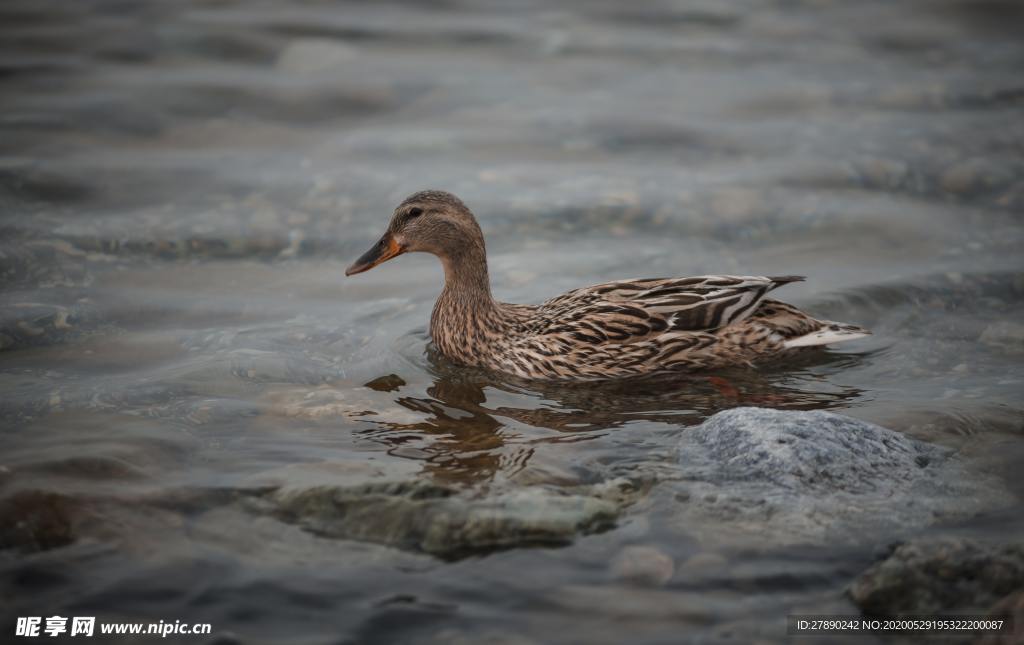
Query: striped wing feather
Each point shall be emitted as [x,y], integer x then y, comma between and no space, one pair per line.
[632,310]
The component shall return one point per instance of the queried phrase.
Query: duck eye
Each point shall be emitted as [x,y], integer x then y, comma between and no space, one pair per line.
[415,212]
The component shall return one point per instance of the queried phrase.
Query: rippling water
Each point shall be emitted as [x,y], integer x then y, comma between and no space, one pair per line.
[183,183]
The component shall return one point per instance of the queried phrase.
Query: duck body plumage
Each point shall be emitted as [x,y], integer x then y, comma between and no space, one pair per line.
[613,330]
[635,328]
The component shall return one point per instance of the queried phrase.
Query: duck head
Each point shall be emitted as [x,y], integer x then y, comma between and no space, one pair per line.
[430,221]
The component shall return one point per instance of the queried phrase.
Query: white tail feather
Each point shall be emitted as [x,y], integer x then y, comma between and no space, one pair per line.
[826,336]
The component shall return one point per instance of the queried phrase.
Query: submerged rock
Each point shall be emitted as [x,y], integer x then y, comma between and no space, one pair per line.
[946,575]
[34,520]
[314,55]
[797,477]
[427,517]
[1005,335]
[35,324]
[327,402]
[645,565]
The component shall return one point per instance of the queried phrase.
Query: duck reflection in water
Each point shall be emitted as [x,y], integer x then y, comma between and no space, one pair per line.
[474,425]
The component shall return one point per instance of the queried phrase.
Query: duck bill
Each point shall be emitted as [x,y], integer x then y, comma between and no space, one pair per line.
[387,248]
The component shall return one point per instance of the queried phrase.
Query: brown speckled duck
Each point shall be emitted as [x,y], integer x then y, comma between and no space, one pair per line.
[612,330]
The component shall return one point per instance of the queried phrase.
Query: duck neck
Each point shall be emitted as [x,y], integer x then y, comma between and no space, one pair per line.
[465,316]
[465,277]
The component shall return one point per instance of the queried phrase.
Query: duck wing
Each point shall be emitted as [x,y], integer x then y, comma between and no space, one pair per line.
[629,310]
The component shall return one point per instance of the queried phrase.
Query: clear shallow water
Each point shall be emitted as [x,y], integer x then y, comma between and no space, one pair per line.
[183,183]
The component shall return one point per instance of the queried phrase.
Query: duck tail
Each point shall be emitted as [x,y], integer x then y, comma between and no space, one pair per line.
[779,280]
[829,332]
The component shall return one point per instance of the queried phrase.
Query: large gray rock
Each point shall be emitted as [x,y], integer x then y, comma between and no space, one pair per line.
[799,477]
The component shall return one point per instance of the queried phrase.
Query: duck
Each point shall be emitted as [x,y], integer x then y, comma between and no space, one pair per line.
[613,330]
